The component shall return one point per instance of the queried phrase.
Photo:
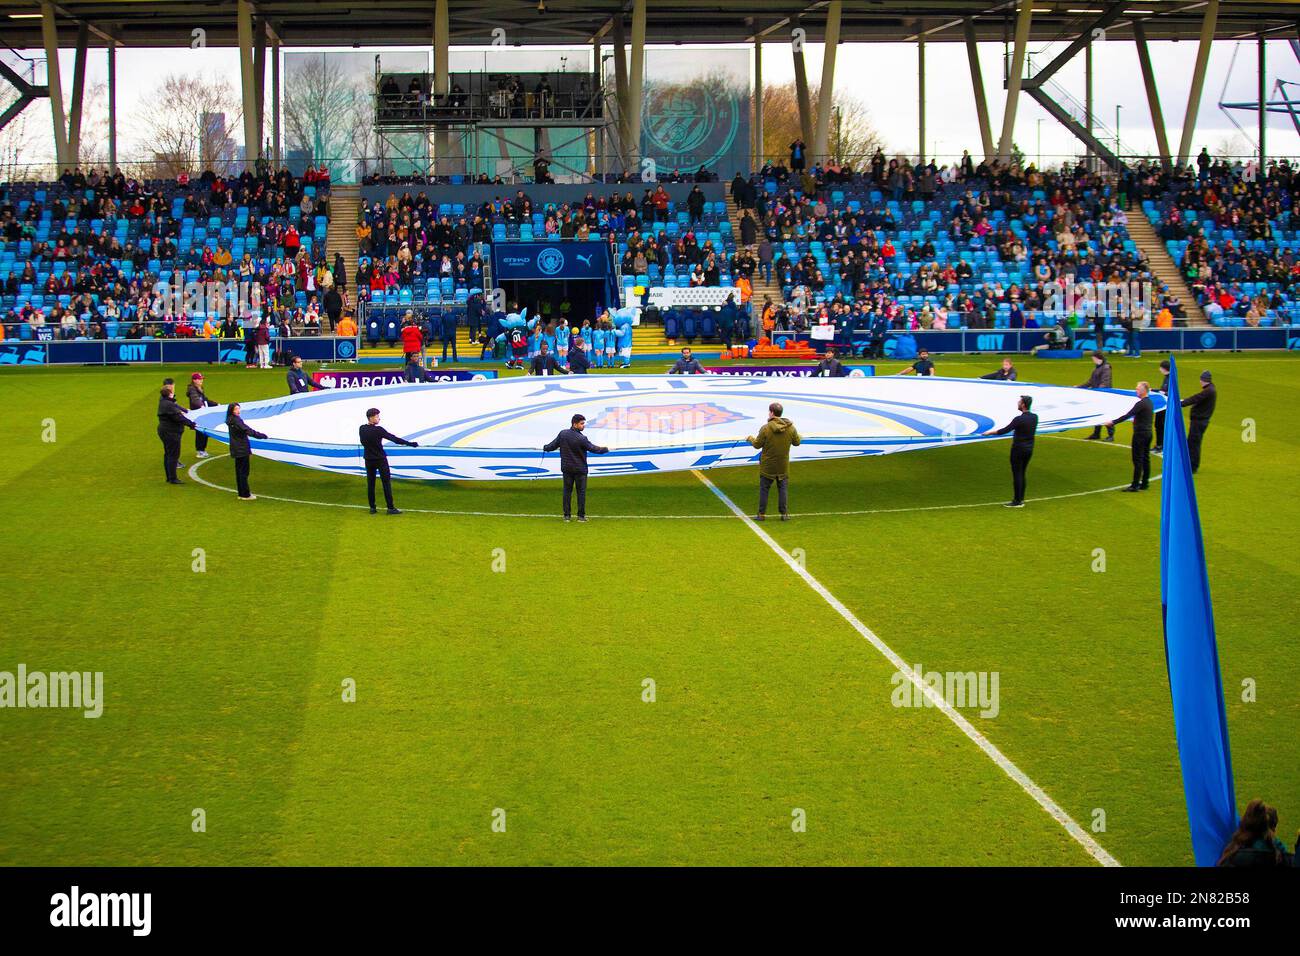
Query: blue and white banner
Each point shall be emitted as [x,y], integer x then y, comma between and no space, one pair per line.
[651,423]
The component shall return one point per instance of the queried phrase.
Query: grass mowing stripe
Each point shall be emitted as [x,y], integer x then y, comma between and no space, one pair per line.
[1081,836]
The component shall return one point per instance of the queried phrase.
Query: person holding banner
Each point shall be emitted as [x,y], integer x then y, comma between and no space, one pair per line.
[1100,378]
[240,453]
[922,366]
[775,440]
[1025,427]
[831,366]
[198,399]
[1142,413]
[544,363]
[1160,415]
[298,380]
[574,446]
[1202,406]
[686,365]
[172,422]
[372,436]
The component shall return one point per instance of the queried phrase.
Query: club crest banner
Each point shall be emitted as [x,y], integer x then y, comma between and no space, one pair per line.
[495,429]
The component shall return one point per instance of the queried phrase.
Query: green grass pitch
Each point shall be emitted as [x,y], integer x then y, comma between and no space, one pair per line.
[478,689]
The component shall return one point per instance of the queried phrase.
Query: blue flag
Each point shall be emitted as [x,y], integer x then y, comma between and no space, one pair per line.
[1191,654]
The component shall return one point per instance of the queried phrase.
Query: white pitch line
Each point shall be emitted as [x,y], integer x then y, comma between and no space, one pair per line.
[1080,835]
[193,473]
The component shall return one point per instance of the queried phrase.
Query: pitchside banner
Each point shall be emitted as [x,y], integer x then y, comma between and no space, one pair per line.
[1156,340]
[332,379]
[496,430]
[785,371]
[169,351]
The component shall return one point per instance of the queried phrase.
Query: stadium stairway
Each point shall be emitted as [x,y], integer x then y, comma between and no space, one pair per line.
[761,287]
[341,235]
[1162,265]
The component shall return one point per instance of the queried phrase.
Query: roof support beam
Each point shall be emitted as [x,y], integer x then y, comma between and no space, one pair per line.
[26,93]
[977,87]
[78,94]
[1023,19]
[1077,44]
[636,82]
[802,96]
[248,84]
[1153,93]
[1198,81]
[826,92]
[50,34]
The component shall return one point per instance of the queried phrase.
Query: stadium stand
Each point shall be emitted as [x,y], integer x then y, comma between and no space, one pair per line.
[1234,237]
[95,255]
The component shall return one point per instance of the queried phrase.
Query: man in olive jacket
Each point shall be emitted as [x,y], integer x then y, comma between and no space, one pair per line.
[775,439]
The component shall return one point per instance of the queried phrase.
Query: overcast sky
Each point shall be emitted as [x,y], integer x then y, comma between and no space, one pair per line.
[882,76]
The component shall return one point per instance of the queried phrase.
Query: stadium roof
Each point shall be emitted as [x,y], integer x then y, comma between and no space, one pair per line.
[349,23]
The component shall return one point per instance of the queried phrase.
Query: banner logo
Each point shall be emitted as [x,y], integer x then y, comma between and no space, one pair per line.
[665,419]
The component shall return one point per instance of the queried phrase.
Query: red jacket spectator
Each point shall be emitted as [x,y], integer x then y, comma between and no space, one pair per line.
[412,338]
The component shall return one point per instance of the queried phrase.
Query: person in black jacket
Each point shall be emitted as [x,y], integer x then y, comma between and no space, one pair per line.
[1025,426]
[414,371]
[1202,406]
[830,366]
[240,453]
[372,436]
[1100,378]
[299,381]
[578,361]
[573,446]
[199,399]
[1142,414]
[687,365]
[172,423]
[1160,415]
[544,363]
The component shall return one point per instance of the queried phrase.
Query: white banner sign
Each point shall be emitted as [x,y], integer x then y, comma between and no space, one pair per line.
[692,296]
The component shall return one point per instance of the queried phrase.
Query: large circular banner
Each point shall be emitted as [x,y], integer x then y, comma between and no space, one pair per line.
[652,423]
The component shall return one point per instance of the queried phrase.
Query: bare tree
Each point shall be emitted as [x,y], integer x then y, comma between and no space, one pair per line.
[19,144]
[852,136]
[186,119]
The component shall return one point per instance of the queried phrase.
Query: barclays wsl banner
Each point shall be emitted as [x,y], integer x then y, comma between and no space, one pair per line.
[336,379]
[495,430]
[168,351]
